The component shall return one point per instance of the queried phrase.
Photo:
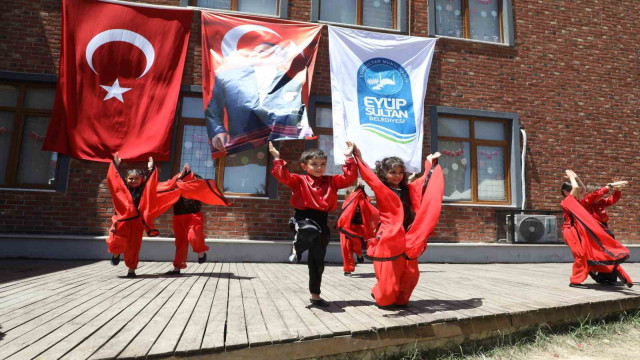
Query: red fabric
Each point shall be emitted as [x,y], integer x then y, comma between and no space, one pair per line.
[315,193]
[595,204]
[88,124]
[188,229]
[129,222]
[348,246]
[593,248]
[368,212]
[190,187]
[398,274]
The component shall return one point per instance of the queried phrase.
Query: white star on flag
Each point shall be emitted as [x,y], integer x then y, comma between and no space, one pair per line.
[115,91]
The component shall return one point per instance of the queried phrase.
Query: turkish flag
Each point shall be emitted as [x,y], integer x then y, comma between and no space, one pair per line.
[119,81]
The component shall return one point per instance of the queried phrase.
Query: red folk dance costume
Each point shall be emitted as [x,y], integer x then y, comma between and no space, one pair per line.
[312,198]
[593,248]
[596,205]
[395,252]
[133,215]
[356,224]
[186,194]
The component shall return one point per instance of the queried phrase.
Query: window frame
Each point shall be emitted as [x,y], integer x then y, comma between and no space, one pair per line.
[23,81]
[219,164]
[512,166]
[505,13]
[282,7]
[399,17]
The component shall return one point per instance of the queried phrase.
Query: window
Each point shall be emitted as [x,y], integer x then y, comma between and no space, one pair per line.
[263,7]
[25,110]
[323,128]
[384,14]
[244,173]
[478,157]
[483,20]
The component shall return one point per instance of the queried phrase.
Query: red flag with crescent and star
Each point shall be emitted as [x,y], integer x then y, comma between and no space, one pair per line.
[119,81]
[256,77]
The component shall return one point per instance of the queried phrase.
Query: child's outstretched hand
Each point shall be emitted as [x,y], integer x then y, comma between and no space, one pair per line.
[273,151]
[150,163]
[116,159]
[433,156]
[349,150]
[356,151]
[186,168]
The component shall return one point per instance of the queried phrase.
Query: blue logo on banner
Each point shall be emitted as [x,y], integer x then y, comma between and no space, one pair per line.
[385,100]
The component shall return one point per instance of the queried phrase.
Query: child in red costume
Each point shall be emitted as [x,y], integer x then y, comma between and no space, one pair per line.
[595,251]
[596,205]
[402,236]
[134,199]
[188,227]
[353,231]
[313,196]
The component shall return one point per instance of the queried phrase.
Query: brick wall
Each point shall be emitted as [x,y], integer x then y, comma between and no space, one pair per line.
[572,78]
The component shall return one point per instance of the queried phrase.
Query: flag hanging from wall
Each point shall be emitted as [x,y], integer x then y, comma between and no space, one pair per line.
[378,85]
[119,80]
[256,76]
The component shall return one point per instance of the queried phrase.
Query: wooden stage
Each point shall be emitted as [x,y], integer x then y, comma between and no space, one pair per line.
[89,310]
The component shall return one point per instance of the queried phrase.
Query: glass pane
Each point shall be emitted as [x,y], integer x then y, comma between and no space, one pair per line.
[34,165]
[324,118]
[456,167]
[192,108]
[484,21]
[453,127]
[488,130]
[325,143]
[8,95]
[196,152]
[39,98]
[377,13]
[339,11]
[491,182]
[258,6]
[6,130]
[246,172]
[449,18]
[215,4]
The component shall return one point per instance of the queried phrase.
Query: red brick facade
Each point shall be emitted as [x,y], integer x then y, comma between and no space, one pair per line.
[572,77]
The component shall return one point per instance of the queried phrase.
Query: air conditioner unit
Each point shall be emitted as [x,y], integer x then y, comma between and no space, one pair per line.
[535,228]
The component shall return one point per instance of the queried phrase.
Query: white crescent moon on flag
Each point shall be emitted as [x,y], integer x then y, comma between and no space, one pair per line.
[123,35]
[230,40]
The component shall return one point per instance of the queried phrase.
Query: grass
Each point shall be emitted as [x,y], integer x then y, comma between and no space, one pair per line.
[525,343]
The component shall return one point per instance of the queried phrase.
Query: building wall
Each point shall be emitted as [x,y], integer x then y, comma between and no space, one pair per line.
[572,77]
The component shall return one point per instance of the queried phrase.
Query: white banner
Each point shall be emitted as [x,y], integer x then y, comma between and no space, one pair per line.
[378,85]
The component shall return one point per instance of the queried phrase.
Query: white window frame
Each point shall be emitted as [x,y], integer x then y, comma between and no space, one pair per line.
[401,18]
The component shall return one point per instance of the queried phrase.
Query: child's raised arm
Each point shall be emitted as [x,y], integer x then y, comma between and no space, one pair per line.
[349,169]
[575,188]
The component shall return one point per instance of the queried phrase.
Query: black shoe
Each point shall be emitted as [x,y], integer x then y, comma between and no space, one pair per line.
[373,297]
[361,260]
[347,273]
[173,272]
[574,285]
[624,281]
[115,260]
[202,259]
[319,302]
[131,275]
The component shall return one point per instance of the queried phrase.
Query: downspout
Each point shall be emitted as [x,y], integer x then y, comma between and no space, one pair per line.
[522,163]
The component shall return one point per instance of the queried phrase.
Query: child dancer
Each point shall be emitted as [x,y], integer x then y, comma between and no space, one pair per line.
[187,227]
[401,237]
[596,205]
[134,198]
[313,196]
[357,223]
[593,248]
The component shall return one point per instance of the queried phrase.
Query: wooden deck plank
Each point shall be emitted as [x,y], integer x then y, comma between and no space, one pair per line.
[191,338]
[104,329]
[168,340]
[142,344]
[236,324]
[294,323]
[278,330]
[52,332]
[114,346]
[213,339]
[256,323]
